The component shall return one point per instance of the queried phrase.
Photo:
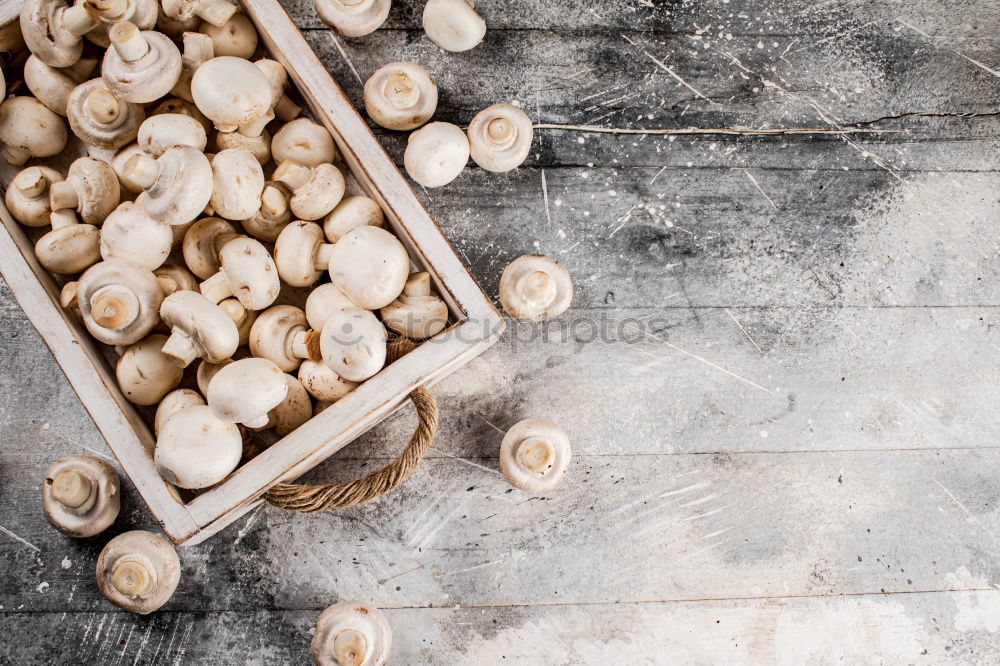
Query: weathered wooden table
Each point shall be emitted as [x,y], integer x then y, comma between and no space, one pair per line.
[780,373]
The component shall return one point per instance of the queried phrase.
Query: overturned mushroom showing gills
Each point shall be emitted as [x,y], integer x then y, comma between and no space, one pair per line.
[248,273]
[500,137]
[353,344]
[177,185]
[534,455]
[195,449]
[52,29]
[400,96]
[436,154]
[138,571]
[353,18]
[370,266]
[99,118]
[145,374]
[453,25]
[174,402]
[29,129]
[198,329]
[418,313]
[91,188]
[27,197]
[246,390]
[70,247]
[119,301]
[81,496]
[140,66]
[354,633]
[535,287]
[280,334]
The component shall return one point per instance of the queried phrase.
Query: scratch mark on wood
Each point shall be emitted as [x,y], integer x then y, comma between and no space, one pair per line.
[760,189]
[17,538]
[745,332]
[467,462]
[967,512]
[545,197]
[343,53]
[491,424]
[982,66]
[672,73]
[624,219]
[657,175]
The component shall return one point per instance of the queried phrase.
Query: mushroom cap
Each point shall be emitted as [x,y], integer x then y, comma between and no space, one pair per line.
[163,131]
[352,212]
[272,334]
[353,18]
[206,371]
[500,137]
[138,571]
[52,30]
[351,632]
[69,250]
[238,181]
[120,288]
[51,85]
[236,37]
[145,374]
[174,277]
[370,266]
[202,243]
[129,234]
[118,163]
[183,107]
[99,118]
[436,154]
[321,191]
[243,318]
[231,92]
[353,344]
[196,449]
[294,410]
[174,402]
[304,141]
[535,287]
[183,185]
[28,128]
[297,253]
[323,301]
[323,383]
[198,323]
[534,455]
[80,496]
[453,25]
[400,96]
[274,214]
[95,187]
[250,272]
[258,146]
[418,313]
[27,196]
[246,390]
[149,76]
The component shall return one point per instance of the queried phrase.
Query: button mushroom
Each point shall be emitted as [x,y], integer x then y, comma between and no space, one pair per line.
[138,571]
[177,185]
[353,18]
[418,313]
[236,37]
[202,244]
[500,137]
[51,85]
[141,65]
[259,146]
[27,197]
[352,212]
[323,383]
[274,215]
[353,344]
[534,455]
[70,247]
[99,118]
[145,373]
[28,129]
[81,496]
[91,188]
[196,449]
[315,191]
[281,104]
[436,154]
[142,13]
[293,411]
[52,30]
[174,278]
[453,25]
[198,329]
[400,96]
[304,142]
[351,632]
[301,254]
[247,272]
[238,181]
[243,318]
[370,266]
[535,287]
[282,336]
[216,12]
[129,234]
[118,163]
[174,402]
[161,132]
[119,301]
[246,390]
[231,92]
[322,302]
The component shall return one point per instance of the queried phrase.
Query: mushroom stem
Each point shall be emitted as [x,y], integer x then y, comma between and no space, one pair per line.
[292,174]
[62,195]
[65,217]
[350,647]
[80,19]
[168,285]
[133,576]
[501,132]
[216,12]
[110,8]
[31,182]
[255,128]
[304,344]
[539,288]
[286,109]
[216,288]
[128,41]
[273,202]
[68,297]
[321,259]
[400,90]
[104,106]
[71,488]
[14,155]
[418,285]
[142,170]
[536,454]
[114,307]
[180,347]
[234,309]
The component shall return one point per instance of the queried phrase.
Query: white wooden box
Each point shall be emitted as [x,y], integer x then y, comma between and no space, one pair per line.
[476,325]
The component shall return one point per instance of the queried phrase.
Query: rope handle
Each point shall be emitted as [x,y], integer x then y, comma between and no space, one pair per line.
[309,498]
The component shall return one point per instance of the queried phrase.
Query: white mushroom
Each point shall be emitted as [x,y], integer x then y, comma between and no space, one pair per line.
[28,129]
[51,85]
[119,301]
[99,118]
[281,335]
[159,133]
[304,142]
[353,18]
[453,25]
[118,163]
[232,93]
[246,390]
[500,137]
[142,13]
[178,184]
[274,215]
[243,318]
[198,49]
[90,188]
[259,146]
[236,37]
[248,273]
[322,302]
[293,411]
[183,107]
[323,383]
[68,299]
[352,212]
[145,374]
[196,449]
[418,313]
[301,253]
[129,234]
[198,329]
[172,27]
[174,402]
[140,66]
[281,104]
[535,287]
[534,455]
[401,96]
[173,278]
[216,12]
[52,30]
[138,571]
[353,344]
[27,197]
[80,496]
[436,154]
[238,181]
[351,632]
[370,266]
[202,244]
[315,191]
[70,247]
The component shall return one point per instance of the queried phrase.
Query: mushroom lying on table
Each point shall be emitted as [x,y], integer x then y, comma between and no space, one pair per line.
[138,571]
[140,66]
[27,197]
[81,496]
[274,215]
[70,247]
[198,329]
[281,335]
[159,133]
[196,449]
[53,85]
[535,287]
[248,273]
[500,137]
[145,374]
[351,632]
[453,25]
[301,253]
[119,301]
[29,129]
[353,18]
[534,455]
[436,154]
[400,96]
[370,266]
[322,302]
[246,390]
[174,277]
[236,37]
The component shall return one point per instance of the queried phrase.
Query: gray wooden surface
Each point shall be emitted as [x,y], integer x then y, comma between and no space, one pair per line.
[780,373]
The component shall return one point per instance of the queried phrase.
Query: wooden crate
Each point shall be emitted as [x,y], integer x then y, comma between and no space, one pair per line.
[476,322]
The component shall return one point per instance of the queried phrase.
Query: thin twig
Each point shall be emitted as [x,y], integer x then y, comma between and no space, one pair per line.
[715,130]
